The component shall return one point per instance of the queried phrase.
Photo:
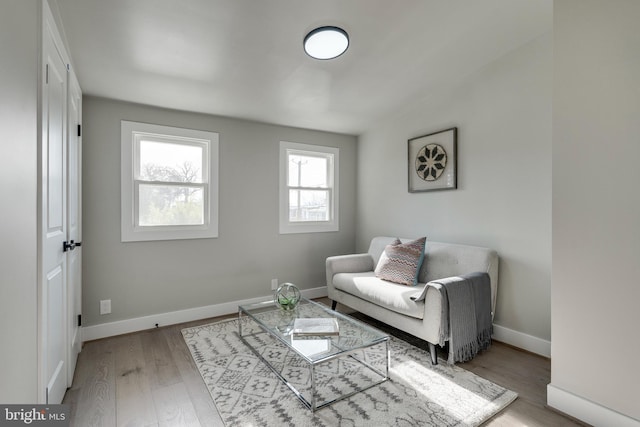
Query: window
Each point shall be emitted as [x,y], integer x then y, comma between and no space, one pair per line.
[169,183]
[308,188]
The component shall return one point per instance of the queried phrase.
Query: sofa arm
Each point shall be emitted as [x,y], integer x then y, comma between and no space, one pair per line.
[354,263]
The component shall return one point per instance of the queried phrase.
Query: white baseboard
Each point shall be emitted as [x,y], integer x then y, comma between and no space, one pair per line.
[586,410]
[104,330]
[521,340]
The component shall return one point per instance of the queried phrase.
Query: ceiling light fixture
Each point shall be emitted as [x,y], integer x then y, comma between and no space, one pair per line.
[326,42]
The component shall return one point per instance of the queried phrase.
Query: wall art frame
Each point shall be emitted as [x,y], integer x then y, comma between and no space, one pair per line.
[433,161]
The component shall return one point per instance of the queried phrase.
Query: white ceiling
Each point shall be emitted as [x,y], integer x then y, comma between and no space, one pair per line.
[244,58]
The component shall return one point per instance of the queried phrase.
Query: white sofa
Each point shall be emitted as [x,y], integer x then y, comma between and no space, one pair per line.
[351,281]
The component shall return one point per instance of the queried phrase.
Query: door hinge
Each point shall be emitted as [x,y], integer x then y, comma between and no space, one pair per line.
[79,319]
[79,130]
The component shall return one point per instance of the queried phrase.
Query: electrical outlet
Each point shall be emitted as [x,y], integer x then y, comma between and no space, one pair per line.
[274,284]
[105,306]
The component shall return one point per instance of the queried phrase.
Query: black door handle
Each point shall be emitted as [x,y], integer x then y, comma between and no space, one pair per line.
[70,245]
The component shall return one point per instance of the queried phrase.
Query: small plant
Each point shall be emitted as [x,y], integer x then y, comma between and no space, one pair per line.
[287,303]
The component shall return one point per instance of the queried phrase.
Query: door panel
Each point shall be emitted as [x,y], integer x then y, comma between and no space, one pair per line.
[56,367]
[55,148]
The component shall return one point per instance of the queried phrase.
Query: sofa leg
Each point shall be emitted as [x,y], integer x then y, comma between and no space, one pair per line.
[433,353]
[334,304]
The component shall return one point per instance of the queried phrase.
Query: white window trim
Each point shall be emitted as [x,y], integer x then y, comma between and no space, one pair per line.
[130,232]
[291,227]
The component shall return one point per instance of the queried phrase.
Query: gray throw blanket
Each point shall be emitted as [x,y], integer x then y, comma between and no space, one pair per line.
[466,314]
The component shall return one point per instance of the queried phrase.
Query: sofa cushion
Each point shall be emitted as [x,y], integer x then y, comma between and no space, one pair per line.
[392,296]
[400,262]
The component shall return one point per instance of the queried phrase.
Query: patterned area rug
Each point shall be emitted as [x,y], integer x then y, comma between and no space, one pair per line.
[247,393]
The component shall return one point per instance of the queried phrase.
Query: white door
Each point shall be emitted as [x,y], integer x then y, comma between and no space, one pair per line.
[53,271]
[74,232]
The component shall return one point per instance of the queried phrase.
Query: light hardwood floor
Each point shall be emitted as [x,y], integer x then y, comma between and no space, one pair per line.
[148,378]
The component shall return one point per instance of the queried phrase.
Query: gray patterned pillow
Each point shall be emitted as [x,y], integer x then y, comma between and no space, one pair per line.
[401,262]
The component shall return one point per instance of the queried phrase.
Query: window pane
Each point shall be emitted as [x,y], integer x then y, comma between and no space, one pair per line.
[307,171]
[308,205]
[162,161]
[170,205]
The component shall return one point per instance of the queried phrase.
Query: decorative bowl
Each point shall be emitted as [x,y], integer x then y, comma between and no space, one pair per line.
[287,296]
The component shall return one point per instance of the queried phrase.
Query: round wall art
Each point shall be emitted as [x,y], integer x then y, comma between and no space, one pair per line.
[431,161]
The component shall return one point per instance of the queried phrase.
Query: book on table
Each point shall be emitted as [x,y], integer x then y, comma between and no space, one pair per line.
[311,326]
[311,347]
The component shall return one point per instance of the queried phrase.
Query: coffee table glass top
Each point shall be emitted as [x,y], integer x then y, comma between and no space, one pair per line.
[353,334]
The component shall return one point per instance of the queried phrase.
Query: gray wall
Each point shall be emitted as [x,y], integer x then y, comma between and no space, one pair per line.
[144,278]
[19,29]
[596,203]
[503,200]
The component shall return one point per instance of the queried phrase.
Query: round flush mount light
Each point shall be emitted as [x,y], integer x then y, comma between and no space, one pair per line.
[326,42]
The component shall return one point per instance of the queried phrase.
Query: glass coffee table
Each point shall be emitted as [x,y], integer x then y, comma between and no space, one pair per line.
[320,370]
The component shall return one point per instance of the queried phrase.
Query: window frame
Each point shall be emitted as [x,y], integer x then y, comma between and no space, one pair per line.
[131,135]
[286,226]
